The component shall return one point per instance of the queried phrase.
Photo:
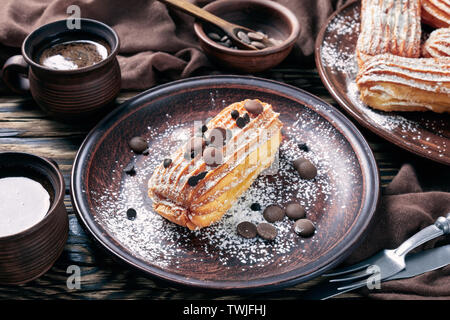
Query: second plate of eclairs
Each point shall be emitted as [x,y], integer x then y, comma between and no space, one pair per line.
[387,63]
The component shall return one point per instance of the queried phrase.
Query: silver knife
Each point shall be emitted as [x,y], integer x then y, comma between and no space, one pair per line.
[416,264]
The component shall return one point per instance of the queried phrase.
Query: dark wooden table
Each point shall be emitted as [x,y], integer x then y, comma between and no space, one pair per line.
[24,128]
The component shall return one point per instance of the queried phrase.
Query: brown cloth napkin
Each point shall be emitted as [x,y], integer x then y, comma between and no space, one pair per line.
[404,210]
[157,44]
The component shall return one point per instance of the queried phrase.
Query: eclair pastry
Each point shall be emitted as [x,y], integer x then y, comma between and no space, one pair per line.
[438,44]
[389,26]
[392,83]
[436,13]
[204,177]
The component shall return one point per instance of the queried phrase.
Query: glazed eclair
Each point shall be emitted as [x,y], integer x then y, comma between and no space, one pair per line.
[205,177]
[392,83]
[389,26]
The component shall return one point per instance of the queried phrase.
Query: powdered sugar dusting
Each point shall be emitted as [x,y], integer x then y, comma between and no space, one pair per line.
[151,238]
[334,51]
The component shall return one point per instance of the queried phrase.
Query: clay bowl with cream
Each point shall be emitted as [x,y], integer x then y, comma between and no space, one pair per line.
[34,224]
[271,18]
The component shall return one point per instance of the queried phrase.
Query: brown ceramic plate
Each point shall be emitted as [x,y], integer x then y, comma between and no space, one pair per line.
[340,201]
[424,133]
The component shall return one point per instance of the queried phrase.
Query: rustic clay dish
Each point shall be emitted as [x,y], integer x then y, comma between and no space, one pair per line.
[67,94]
[424,133]
[270,17]
[27,255]
[342,205]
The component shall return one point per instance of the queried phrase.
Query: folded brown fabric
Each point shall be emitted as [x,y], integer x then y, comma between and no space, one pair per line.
[157,44]
[404,210]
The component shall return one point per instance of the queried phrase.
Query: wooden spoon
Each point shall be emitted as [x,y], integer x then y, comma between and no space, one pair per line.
[230,29]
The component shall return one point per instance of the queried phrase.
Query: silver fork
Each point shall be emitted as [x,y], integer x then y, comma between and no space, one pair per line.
[387,262]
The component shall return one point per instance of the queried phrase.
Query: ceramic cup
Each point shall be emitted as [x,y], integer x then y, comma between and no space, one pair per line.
[66,94]
[26,255]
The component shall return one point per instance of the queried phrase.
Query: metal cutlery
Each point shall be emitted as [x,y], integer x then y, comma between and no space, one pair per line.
[416,264]
[387,263]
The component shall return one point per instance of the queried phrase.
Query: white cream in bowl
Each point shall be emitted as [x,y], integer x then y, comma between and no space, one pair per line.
[23,203]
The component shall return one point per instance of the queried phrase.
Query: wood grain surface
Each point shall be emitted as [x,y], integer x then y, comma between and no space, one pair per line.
[23,127]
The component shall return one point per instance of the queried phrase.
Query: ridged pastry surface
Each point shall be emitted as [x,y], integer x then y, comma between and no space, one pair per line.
[389,26]
[249,150]
[393,83]
[438,44]
[436,13]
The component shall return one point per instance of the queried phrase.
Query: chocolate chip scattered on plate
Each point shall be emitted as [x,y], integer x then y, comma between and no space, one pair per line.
[235,114]
[304,227]
[246,229]
[138,144]
[267,231]
[131,214]
[129,169]
[255,206]
[273,213]
[303,147]
[295,211]
[305,168]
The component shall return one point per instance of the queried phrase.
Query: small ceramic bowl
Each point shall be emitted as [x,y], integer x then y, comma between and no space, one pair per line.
[275,20]
[26,255]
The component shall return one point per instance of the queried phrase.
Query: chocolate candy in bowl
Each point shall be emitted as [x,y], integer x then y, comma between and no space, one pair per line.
[33,249]
[271,18]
